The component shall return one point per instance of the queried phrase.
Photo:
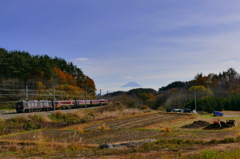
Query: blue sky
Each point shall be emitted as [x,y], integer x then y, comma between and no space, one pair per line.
[151,42]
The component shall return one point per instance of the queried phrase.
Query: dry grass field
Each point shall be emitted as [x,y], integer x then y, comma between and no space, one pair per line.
[127,133]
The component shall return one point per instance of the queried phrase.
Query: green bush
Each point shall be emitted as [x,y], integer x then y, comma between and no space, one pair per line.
[213,141]
[149,146]
[213,154]
[30,126]
[37,118]
[62,117]
[227,140]
[7,106]
[18,124]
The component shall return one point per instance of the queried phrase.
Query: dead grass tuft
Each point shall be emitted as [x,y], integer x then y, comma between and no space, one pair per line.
[46,118]
[79,113]
[80,130]
[166,129]
[238,134]
[108,115]
[128,112]
[103,127]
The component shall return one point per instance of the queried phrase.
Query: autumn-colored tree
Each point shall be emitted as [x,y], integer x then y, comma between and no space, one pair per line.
[199,91]
[177,98]
[200,79]
[39,85]
[89,85]
[147,97]
[60,75]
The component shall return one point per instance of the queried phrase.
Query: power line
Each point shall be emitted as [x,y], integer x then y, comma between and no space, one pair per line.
[17,85]
[27,93]
[9,95]
[47,90]
[9,102]
[12,89]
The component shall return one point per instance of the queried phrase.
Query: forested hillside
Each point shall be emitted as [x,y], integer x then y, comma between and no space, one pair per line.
[212,92]
[20,72]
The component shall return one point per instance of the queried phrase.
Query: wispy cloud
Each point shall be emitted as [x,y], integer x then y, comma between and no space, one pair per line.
[82,59]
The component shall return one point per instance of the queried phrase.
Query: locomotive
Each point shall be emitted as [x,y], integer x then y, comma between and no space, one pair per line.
[45,105]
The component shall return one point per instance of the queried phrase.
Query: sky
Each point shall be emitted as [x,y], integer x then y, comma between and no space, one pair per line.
[150,42]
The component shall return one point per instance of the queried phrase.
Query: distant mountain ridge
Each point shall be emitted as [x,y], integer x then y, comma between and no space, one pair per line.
[132,84]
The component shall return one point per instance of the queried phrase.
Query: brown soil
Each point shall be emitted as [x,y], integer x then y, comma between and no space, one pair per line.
[197,124]
[141,121]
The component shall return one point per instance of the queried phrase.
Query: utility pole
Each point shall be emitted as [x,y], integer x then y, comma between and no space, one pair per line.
[100,97]
[85,90]
[53,94]
[108,97]
[54,99]
[195,97]
[85,98]
[26,92]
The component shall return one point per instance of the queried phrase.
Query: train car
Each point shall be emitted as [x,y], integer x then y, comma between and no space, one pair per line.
[44,105]
[82,103]
[95,102]
[103,101]
[64,104]
[92,102]
[33,105]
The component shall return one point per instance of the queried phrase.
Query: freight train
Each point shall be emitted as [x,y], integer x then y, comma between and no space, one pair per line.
[45,105]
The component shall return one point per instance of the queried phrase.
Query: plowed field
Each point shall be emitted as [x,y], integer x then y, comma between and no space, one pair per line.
[119,130]
[141,121]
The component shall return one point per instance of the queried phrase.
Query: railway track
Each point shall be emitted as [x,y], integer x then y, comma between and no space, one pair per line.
[13,113]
